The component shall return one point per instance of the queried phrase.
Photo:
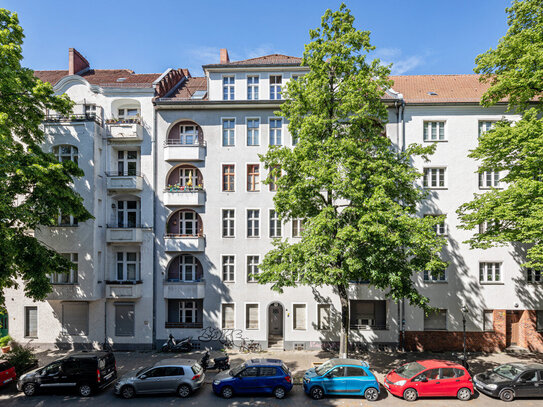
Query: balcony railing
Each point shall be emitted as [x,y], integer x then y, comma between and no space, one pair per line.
[125,130]
[124,289]
[183,196]
[181,243]
[83,117]
[176,289]
[124,181]
[124,234]
[175,151]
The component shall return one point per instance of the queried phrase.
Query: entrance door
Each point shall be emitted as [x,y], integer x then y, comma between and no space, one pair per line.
[512,328]
[276,319]
[3,324]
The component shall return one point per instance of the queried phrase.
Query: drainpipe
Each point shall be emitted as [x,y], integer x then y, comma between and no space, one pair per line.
[155,191]
[401,305]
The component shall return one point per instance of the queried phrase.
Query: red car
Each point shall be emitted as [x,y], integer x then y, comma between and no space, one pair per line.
[430,378]
[7,373]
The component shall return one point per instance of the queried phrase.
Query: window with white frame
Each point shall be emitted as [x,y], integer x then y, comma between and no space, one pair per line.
[251,316]
[534,275]
[227,316]
[253,222]
[252,87]
[297,227]
[490,272]
[127,113]
[128,264]
[434,131]
[65,153]
[489,179]
[228,132]
[436,321]
[440,228]
[127,162]
[188,176]
[188,134]
[187,267]
[228,222]
[128,213]
[253,132]
[66,220]
[252,268]
[434,178]
[323,317]
[188,223]
[90,109]
[275,87]
[488,320]
[31,322]
[71,276]
[275,224]
[484,126]
[276,130]
[435,276]
[188,312]
[486,225]
[299,312]
[228,87]
[228,268]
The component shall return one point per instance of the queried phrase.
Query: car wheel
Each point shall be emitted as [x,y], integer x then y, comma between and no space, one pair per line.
[127,392]
[227,392]
[279,392]
[183,391]
[84,390]
[464,394]
[507,395]
[371,394]
[410,395]
[30,389]
[316,393]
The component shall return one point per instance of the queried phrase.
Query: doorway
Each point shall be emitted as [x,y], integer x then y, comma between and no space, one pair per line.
[275,325]
[512,328]
[3,325]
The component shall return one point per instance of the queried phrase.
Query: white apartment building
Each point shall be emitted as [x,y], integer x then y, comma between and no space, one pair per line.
[205,220]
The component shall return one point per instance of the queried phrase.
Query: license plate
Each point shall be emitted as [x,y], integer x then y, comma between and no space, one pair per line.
[8,380]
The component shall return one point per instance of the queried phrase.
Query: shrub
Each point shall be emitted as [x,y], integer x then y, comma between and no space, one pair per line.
[21,357]
[5,340]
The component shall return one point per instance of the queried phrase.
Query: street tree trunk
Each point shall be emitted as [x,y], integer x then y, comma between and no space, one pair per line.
[344,332]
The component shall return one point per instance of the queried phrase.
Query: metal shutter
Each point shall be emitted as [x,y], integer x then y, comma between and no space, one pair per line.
[252,316]
[75,318]
[124,319]
[228,316]
[299,316]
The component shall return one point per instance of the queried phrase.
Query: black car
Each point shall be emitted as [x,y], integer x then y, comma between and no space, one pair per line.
[511,380]
[84,371]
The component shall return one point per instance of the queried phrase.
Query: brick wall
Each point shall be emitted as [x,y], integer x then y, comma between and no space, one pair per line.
[529,337]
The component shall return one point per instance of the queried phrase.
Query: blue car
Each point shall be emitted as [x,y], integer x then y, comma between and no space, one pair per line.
[268,376]
[341,376]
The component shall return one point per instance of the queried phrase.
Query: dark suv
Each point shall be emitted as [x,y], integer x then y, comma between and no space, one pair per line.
[84,371]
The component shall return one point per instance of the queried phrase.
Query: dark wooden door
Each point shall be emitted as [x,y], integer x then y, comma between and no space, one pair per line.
[512,328]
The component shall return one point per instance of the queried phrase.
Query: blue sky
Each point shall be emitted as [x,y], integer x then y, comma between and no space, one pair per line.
[418,36]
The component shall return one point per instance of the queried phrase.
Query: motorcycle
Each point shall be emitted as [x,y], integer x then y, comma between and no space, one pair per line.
[182,345]
[221,363]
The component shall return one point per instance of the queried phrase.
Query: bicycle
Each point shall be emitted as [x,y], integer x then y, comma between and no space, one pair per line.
[250,347]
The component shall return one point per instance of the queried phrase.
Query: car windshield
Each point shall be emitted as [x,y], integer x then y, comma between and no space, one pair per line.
[322,369]
[237,370]
[410,369]
[508,371]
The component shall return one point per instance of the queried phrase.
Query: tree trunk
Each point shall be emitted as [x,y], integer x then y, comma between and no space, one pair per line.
[345,320]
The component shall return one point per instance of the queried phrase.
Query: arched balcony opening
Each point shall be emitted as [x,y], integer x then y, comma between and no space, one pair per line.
[184,178]
[185,268]
[185,223]
[185,133]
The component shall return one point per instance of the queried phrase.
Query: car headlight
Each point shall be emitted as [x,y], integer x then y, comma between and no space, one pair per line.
[216,382]
[400,383]
[491,386]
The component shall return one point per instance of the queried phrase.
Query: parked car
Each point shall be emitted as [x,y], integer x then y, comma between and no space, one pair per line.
[180,376]
[430,378]
[267,376]
[341,376]
[84,371]
[7,373]
[511,381]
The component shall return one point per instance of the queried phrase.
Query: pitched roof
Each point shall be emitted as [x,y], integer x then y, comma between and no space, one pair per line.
[189,86]
[273,59]
[104,77]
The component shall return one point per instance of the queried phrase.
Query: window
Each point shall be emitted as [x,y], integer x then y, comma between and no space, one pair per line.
[253,177]
[67,278]
[128,213]
[434,131]
[368,314]
[127,266]
[252,268]
[275,224]
[188,177]
[488,320]
[65,153]
[127,113]
[429,277]
[228,87]
[484,126]
[253,222]
[228,222]
[490,272]
[323,317]
[188,135]
[436,321]
[273,177]
[268,371]
[75,318]
[252,87]
[434,178]
[487,225]
[297,227]
[187,312]
[228,178]
[539,320]
[228,132]
[227,316]
[250,372]
[228,268]
[489,179]
[533,275]
[253,132]
[276,126]
[299,313]
[188,268]
[124,319]
[440,228]
[355,372]
[188,223]
[90,110]
[251,316]
[66,220]
[275,87]
[31,322]
[127,162]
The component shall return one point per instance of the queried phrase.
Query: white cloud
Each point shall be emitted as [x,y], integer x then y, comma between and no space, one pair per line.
[400,63]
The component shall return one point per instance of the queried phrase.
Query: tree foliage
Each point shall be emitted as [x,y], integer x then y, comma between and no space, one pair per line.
[34,186]
[515,71]
[357,193]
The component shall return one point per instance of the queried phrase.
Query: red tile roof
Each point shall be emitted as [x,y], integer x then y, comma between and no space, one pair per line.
[273,59]
[189,86]
[104,77]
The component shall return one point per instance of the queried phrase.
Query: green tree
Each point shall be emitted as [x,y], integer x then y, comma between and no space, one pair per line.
[515,71]
[34,186]
[356,192]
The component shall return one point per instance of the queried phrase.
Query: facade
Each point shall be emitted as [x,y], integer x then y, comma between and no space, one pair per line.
[182,219]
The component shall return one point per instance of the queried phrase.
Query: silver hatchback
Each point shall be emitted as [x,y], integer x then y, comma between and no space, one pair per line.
[181,376]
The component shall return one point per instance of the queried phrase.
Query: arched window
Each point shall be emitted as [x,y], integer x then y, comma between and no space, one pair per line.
[66,153]
[185,133]
[185,223]
[185,267]
[185,176]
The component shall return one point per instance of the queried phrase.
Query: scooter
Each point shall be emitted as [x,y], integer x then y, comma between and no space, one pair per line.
[221,363]
[182,345]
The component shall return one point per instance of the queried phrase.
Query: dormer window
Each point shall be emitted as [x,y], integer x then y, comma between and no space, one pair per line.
[275,87]
[228,88]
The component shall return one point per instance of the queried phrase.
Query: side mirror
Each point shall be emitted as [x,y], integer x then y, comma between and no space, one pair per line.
[328,375]
[143,376]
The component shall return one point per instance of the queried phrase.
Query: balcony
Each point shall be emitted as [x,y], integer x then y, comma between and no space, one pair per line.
[173,151]
[179,243]
[122,182]
[70,292]
[116,234]
[129,290]
[119,130]
[186,197]
[177,290]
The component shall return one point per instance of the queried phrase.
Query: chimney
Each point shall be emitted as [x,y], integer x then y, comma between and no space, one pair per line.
[225,59]
[77,63]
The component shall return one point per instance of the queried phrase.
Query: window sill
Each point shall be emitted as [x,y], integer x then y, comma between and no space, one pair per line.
[63,284]
[436,188]
[124,282]
[435,141]
[229,237]
[491,282]
[435,282]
